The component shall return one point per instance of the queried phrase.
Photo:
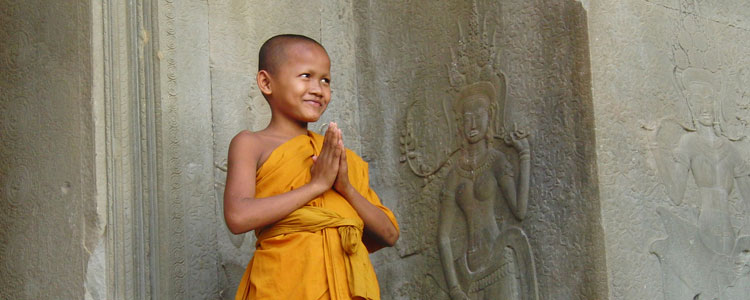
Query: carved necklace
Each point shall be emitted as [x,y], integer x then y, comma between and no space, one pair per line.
[472,173]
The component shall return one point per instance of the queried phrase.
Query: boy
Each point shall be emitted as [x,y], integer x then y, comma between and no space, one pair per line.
[305,195]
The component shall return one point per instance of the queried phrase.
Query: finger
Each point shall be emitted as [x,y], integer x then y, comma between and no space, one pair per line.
[314,158]
[328,135]
[342,160]
[339,136]
[338,149]
[341,141]
[334,135]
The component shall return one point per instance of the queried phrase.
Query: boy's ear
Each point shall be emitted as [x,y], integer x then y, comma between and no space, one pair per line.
[264,82]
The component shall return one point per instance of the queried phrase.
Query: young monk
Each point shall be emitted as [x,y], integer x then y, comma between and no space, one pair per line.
[305,195]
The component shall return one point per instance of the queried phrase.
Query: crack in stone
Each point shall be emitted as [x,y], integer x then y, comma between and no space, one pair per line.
[699,16]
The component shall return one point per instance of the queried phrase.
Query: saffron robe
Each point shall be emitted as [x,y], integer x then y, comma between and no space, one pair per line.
[317,252]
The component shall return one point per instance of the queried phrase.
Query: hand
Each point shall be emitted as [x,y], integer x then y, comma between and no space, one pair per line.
[325,167]
[519,139]
[342,184]
[457,294]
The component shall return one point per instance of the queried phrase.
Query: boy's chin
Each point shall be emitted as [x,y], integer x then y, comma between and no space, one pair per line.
[311,119]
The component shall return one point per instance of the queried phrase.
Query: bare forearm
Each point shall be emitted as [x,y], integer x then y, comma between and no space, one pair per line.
[375,220]
[446,253]
[522,199]
[248,214]
[676,188]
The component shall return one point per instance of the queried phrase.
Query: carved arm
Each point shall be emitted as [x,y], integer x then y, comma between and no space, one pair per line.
[517,193]
[448,210]
[743,183]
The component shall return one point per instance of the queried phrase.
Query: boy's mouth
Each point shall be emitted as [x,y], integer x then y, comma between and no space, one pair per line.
[313,102]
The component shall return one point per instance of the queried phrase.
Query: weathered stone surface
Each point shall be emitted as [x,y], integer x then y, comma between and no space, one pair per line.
[50,221]
[635,114]
[673,205]
[188,258]
[541,48]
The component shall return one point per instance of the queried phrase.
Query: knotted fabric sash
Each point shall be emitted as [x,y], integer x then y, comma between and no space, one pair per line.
[314,219]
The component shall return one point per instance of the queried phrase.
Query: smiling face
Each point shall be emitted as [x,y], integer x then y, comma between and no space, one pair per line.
[299,88]
[475,118]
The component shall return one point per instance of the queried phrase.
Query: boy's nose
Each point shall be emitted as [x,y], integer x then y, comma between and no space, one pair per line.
[315,88]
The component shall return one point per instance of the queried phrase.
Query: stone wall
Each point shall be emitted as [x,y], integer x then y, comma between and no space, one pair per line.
[608,135]
[50,219]
[673,206]
[415,66]
[188,249]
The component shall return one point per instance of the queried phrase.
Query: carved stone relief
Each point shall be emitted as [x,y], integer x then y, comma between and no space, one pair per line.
[466,153]
[707,245]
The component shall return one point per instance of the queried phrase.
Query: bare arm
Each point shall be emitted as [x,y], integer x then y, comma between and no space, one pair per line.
[448,210]
[676,182]
[673,166]
[242,211]
[376,221]
[517,193]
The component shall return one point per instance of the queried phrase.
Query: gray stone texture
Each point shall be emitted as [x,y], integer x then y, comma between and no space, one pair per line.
[49,218]
[542,50]
[637,50]
[116,117]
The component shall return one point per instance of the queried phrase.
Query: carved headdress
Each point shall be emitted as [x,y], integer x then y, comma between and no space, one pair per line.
[697,60]
[473,70]
[691,76]
[698,75]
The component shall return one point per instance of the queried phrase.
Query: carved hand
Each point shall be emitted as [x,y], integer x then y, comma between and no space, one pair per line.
[520,141]
[518,138]
[457,294]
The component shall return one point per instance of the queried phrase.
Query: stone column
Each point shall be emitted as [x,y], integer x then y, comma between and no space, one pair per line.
[52,200]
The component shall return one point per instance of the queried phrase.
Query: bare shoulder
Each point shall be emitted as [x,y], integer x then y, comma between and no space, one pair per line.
[245,139]
[245,146]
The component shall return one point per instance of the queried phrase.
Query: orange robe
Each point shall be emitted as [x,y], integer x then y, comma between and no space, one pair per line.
[317,252]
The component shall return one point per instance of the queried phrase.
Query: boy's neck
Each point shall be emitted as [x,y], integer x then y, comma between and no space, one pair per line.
[285,127]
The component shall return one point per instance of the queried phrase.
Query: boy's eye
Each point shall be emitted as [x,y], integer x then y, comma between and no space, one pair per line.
[305,75]
[326,80]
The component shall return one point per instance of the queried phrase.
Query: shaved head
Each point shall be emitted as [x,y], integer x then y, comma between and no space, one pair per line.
[274,50]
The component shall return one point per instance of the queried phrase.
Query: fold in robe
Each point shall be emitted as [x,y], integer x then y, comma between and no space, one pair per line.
[306,254]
